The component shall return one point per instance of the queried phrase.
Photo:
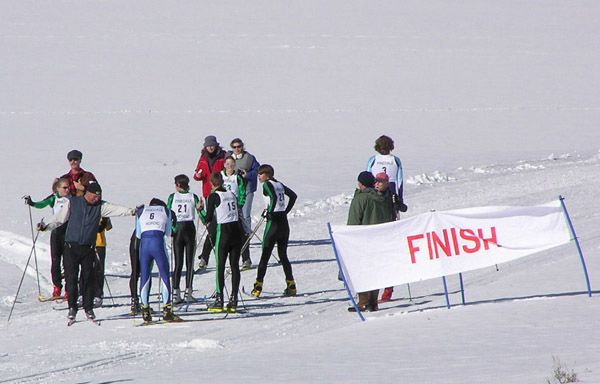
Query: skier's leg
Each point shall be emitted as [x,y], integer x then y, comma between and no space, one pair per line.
[282,245]
[178,248]
[268,244]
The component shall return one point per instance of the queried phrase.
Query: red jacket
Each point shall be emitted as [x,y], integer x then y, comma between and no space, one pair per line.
[204,165]
[73,177]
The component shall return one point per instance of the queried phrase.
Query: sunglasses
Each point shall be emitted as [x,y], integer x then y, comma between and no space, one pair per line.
[65,187]
[380,181]
[74,159]
[236,146]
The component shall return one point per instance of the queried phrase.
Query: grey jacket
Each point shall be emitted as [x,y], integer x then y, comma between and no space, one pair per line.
[84,218]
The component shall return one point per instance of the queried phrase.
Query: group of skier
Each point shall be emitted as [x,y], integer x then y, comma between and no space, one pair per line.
[229,180]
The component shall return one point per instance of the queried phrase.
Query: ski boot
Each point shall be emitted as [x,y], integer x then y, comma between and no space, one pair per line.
[257,289]
[188,298]
[246,265]
[97,302]
[72,313]
[386,295]
[90,314]
[201,265]
[232,304]
[56,292]
[217,305]
[169,316]
[135,306]
[146,316]
[291,288]
[177,296]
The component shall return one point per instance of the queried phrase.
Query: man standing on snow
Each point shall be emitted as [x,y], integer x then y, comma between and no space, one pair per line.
[221,208]
[76,172]
[277,229]
[368,207]
[154,222]
[83,214]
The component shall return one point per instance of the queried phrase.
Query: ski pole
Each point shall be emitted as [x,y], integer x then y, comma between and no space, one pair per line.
[105,279]
[199,239]
[409,294]
[256,228]
[109,291]
[172,273]
[34,252]
[264,215]
[22,277]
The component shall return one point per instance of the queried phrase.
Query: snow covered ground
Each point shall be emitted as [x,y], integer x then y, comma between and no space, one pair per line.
[489,104]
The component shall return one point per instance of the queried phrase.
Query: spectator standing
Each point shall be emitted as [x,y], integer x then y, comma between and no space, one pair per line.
[212,159]
[247,165]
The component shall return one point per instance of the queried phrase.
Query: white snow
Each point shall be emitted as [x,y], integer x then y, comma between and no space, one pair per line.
[489,103]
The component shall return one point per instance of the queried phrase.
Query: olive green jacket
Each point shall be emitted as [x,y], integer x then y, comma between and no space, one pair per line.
[370,207]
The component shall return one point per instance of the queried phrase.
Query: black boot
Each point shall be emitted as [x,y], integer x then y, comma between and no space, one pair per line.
[135,306]
[291,288]
[72,313]
[146,314]
[217,305]
[90,314]
[232,304]
[257,289]
[168,314]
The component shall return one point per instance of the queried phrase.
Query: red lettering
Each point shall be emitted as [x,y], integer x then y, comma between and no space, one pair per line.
[437,243]
[452,241]
[469,235]
[486,242]
[413,248]
[429,247]
[455,241]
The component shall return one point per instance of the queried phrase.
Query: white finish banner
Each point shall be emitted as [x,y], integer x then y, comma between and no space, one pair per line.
[439,244]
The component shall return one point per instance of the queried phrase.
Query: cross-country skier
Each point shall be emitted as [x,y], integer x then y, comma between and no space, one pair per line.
[277,230]
[185,204]
[153,223]
[384,161]
[235,182]
[221,208]
[57,201]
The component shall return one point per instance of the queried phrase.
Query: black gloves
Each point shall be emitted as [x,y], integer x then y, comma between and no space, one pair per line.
[402,207]
[28,200]
[398,203]
[41,226]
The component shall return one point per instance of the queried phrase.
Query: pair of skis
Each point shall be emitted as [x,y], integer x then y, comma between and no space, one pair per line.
[93,321]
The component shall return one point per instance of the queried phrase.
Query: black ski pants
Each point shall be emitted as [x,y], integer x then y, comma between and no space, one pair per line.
[134,259]
[229,240]
[80,256]
[277,232]
[184,242]
[57,249]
